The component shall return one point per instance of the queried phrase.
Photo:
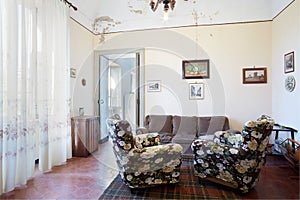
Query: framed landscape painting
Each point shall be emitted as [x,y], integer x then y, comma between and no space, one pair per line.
[195,69]
[254,75]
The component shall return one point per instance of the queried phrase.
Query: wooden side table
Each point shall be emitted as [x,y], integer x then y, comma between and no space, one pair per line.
[85,135]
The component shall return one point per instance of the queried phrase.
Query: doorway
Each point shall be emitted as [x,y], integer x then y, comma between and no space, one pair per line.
[121,88]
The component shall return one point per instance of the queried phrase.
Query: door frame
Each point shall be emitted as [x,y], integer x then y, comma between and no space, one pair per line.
[141,80]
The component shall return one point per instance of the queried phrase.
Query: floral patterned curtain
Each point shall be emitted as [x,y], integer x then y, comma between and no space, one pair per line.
[34,89]
[54,76]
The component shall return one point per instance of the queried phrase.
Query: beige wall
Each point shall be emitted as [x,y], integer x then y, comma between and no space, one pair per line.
[228,47]
[81,42]
[286,38]
[231,48]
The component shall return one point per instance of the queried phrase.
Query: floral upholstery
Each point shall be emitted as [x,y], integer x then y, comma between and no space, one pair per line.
[234,159]
[146,140]
[142,161]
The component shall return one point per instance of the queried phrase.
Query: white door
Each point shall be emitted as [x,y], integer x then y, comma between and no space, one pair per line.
[120,89]
[103,95]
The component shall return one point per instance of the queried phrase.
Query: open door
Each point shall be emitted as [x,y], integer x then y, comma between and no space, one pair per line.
[121,89]
[103,95]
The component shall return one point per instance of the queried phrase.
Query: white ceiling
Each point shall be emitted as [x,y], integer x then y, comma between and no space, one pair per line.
[129,15]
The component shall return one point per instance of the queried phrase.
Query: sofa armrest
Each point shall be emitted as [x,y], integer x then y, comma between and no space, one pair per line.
[166,157]
[141,130]
[146,140]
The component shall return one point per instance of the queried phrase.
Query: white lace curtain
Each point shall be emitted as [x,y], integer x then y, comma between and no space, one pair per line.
[34,88]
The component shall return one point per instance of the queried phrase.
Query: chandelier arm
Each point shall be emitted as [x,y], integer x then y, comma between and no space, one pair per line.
[156,5]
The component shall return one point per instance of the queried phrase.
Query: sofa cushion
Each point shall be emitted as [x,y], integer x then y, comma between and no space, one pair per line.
[159,123]
[209,125]
[185,126]
[203,124]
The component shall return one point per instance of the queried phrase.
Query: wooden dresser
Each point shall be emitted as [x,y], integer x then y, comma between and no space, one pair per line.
[85,135]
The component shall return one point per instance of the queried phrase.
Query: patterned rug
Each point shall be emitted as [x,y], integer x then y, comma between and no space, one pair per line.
[187,188]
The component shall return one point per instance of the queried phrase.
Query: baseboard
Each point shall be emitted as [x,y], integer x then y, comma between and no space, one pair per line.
[105,139]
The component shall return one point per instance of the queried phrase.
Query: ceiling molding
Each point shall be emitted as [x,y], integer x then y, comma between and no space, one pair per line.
[135,15]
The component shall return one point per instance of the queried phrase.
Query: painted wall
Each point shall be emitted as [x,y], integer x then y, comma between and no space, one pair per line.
[285,39]
[81,42]
[228,47]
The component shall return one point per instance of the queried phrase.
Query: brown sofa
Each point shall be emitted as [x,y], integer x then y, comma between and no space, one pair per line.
[184,129]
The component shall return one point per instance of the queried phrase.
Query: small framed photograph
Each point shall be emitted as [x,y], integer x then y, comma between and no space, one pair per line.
[73,72]
[254,75]
[289,62]
[195,69]
[196,91]
[153,86]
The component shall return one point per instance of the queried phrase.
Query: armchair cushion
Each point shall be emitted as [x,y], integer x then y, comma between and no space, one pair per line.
[146,140]
[153,158]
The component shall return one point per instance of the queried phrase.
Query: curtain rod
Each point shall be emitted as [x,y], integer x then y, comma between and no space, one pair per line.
[70,5]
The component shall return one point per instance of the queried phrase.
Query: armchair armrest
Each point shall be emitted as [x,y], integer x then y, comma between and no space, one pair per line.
[215,160]
[231,138]
[166,157]
[146,140]
[208,148]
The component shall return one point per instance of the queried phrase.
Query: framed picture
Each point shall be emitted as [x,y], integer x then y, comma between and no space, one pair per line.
[289,62]
[254,75]
[196,91]
[154,86]
[73,73]
[192,69]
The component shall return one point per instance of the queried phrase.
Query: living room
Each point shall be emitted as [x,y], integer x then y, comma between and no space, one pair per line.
[228,47]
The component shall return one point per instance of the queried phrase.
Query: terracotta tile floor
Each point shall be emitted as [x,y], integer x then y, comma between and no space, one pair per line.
[80,178]
[87,178]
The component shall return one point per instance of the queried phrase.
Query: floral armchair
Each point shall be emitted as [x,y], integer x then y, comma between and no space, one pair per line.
[234,159]
[142,161]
